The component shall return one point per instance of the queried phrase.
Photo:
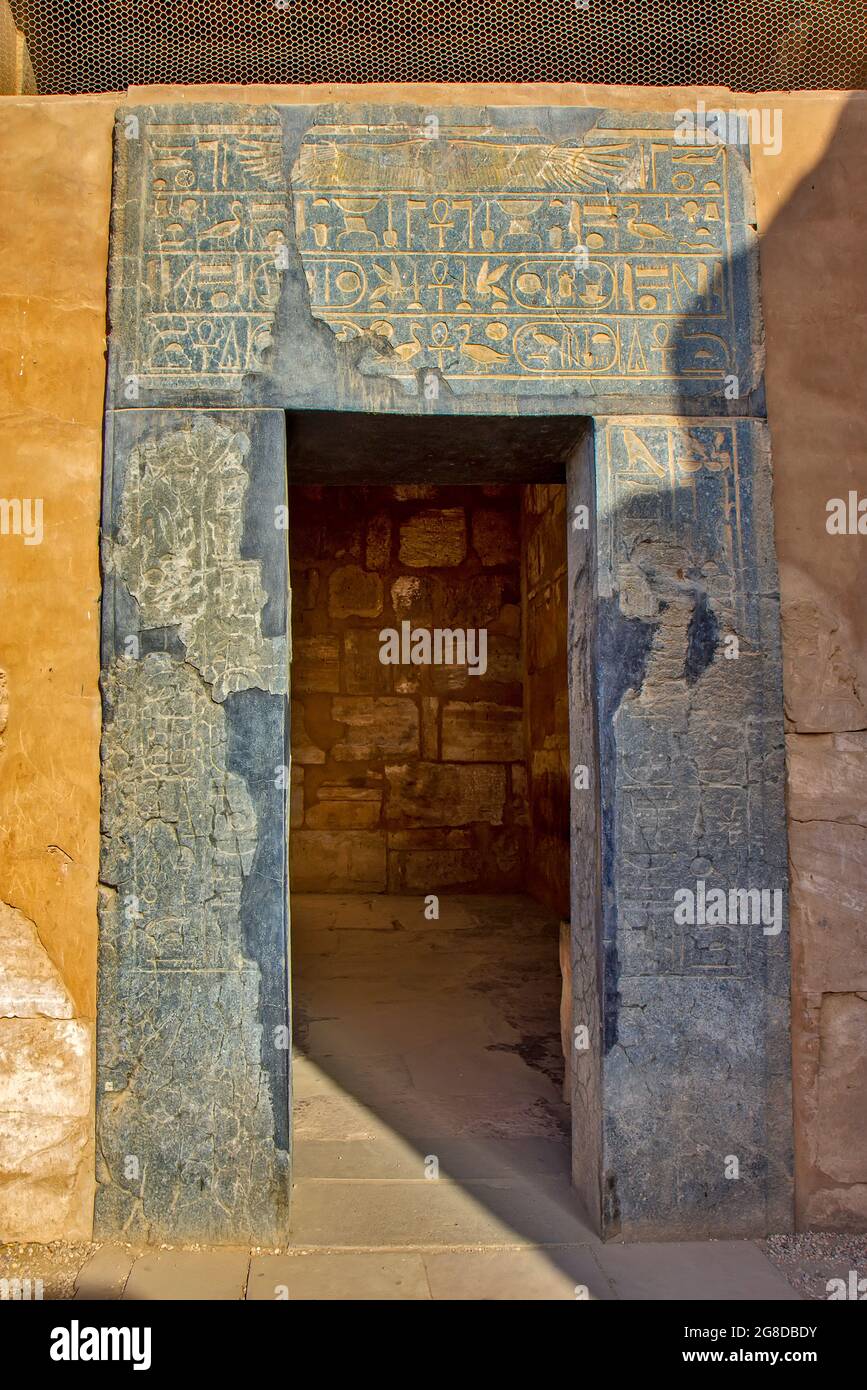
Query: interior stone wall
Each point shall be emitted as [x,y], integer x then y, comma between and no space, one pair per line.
[405,777]
[546,706]
[55,183]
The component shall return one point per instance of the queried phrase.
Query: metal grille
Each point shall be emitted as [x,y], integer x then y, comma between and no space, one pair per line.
[748,45]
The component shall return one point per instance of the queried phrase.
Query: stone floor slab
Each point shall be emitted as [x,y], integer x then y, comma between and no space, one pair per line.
[104,1276]
[189,1274]
[492,1212]
[556,1274]
[338,1277]
[713,1270]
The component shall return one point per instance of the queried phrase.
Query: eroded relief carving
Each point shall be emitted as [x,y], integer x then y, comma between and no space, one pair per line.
[696,749]
[503,256]
[192,1080]
[178,551]
[207,247]
[180,828]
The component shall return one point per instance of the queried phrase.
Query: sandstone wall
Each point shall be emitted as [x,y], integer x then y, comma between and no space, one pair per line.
[546,710]
[405,777]
[55,180]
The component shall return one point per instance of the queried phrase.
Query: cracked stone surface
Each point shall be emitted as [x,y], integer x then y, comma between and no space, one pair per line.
[694,1018]
[192,1069]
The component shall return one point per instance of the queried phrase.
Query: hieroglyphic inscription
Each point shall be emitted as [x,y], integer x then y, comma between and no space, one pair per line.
[490,255]
[209,248]
[692,753]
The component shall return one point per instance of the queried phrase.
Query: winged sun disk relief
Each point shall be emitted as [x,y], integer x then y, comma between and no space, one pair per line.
[414,164]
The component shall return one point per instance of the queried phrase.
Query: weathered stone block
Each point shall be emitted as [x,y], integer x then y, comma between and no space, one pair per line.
[434,539]
[496,539]
[412,597]
[363,672]
[445,794]
[346,861]
[47,1167]
[434,870]
[339,807]
[842,1118]
[192,1080]
[824,691]
[296,798]
[480,601]
[378,548]
[482,732]
[304,751]
[375,728]
[430,734]
[316,665]
[354,593]
[829,904]
[704,1007]
[504,667]
[45,1067]
[827,775]
[30,983]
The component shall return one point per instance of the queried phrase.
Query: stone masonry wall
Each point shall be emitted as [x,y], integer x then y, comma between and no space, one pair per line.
[546,708]
[55,181]
[405,777]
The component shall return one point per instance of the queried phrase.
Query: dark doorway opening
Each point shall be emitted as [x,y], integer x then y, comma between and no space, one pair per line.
[430,840]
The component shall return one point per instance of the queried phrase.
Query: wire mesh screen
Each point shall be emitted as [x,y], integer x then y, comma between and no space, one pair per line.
[749,45]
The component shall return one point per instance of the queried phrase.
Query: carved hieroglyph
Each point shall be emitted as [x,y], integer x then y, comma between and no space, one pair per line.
[500,255]
[203,229]
[193,1009]
[578,262]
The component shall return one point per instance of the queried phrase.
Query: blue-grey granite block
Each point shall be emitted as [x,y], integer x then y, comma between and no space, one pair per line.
[686,1078]
[193,1028]
[495,260]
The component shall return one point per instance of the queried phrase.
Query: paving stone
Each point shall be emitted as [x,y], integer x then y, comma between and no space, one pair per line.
[486,1212]
[562,1274]
[702,1270]
[104,1276]
[182,1275]
[338,1277]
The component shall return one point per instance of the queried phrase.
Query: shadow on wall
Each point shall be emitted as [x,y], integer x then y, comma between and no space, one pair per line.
[814,267]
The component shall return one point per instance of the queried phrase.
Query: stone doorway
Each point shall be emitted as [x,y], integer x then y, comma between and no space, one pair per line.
[516,327]
[429,850]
